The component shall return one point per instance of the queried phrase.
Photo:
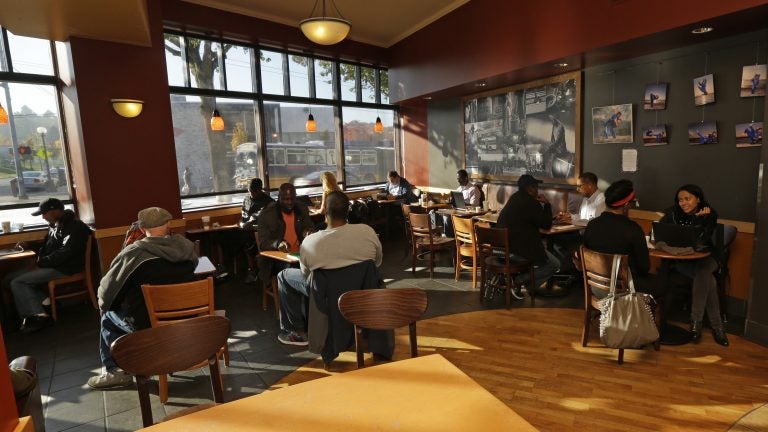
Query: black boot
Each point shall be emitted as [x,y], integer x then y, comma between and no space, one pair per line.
[720,336]
[695,331]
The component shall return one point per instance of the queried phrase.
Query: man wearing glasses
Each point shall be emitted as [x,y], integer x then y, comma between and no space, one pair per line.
[591,206]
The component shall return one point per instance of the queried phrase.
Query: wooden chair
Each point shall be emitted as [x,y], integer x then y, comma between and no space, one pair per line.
[407,210]
[383,309]
[167,304]
[493,253]
[268,290]
[426,241]
[466,251]
[61,288]
[162,350]
[596,271]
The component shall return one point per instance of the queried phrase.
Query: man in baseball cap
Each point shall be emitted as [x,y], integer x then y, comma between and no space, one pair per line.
[48,205]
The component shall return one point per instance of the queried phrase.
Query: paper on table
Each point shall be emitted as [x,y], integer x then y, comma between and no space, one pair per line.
[204,265]
[629,160]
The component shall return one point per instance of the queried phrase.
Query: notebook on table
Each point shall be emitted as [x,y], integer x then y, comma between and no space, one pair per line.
[676,235]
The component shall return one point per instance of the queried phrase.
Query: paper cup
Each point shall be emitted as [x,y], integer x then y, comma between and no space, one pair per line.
[6,226]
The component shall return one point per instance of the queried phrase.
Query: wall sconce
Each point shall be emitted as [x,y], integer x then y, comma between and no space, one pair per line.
[127,107]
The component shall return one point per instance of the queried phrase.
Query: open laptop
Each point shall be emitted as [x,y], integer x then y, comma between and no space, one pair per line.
[676,235]
[458,200]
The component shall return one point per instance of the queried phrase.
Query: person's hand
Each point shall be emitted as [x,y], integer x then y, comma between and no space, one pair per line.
[22,246]
[283,246]
[563,217]
[390,197]
[704,211]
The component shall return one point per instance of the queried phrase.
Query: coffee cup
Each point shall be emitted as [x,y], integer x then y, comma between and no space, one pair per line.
[6,227]
[478,209]
[206,222]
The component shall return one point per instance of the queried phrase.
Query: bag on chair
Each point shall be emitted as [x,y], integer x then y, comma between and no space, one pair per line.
[626,318]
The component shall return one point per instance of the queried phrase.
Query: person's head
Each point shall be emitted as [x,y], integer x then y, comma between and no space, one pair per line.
[618,114]
[51,210]
[329,181]
[462,177]
[394,177]
[286,197]
[530,185]
[255,186]
[620,196]
[587,184]
[689,198]
[153,221]
[337,208]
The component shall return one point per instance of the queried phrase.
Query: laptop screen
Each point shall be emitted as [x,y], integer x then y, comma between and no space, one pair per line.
[676,235]
[458,200]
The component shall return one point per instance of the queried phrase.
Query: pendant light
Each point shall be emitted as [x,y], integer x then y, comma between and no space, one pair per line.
[217,123]
[325,30]
[311,125]
[3,115]
[379,126]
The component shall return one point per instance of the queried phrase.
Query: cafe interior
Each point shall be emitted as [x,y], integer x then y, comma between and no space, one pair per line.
[113,107]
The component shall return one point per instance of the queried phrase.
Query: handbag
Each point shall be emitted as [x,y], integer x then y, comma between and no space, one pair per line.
[626,318]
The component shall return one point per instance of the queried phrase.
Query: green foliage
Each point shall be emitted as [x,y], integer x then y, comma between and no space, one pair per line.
[239,135]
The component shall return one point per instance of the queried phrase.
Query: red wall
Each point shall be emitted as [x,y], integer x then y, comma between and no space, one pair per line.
[415,153]
[9,417]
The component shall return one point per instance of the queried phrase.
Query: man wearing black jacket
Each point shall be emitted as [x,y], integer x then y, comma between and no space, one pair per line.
[62,254]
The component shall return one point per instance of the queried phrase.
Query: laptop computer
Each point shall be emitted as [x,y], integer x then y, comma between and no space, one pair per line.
[458,200]
[676,235]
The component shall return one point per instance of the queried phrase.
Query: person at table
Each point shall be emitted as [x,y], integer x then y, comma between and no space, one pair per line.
[62,254]
[525,213]
[398,188]
[158,258]
[329,185]
[339,245]
[592,205]
[253,203]
[282,226]
[472,198]
[613,232]
[692,209]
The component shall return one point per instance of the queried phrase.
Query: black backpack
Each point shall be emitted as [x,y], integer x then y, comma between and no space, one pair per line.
[358,212]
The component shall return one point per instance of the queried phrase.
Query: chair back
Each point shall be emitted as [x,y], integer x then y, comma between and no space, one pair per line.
[596,270]
[169,348]
[492,241]
[383,309]
[178,301]
[464,230]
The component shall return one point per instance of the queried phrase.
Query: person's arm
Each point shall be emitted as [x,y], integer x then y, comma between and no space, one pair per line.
[599,204]
[322,204]
[377,244]
[268,231]
[640,254]
[474,196]
[543,213]
[73,247]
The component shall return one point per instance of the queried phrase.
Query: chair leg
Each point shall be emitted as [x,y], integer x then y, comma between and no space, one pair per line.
[412,336]
[359,347]
[483,282]
[458,263]
[474,272]
[621,356]
[52,298]
[587,325]
[532,288]
[162,384]
[275,297]
[431,264]
[509,288]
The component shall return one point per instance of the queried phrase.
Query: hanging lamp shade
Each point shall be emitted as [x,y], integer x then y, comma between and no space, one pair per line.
[323,29]
[379,126]
[3,115]
[217,123]
[311,125]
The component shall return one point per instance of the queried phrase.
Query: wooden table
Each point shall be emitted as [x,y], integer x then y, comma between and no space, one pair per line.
[280,256]
[462,213]
[420,394]
[17,255]
[211,239]
[658,253]
[490,218]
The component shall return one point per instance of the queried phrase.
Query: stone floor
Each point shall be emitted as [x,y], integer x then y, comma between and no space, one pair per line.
[67,353]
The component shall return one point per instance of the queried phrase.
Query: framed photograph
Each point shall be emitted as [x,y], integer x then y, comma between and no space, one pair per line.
[612,124]
[704,90]
[749,134]
[655,135]
[655,97]
[532,128]
[753,81]
[702,133]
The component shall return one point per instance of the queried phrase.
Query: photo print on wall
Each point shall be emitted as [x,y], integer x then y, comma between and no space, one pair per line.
[702,133]
[655,97]
[655,135]
[749,134]
[612,124]
[753,81]
[704,89]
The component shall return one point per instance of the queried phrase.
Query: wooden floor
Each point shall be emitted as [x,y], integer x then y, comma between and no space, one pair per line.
[532,359]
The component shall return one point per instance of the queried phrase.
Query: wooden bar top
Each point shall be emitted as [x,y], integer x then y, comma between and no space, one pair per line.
[419,394]
[213,229]
[280,256]
[16,255]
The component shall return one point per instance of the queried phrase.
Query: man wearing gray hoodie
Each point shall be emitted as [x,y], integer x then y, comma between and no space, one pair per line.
[159,258]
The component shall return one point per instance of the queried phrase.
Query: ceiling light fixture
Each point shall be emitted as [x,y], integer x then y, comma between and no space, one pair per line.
[128,108]
[325,30]
[702,30]
[217,123]
[3,115]
[379,126]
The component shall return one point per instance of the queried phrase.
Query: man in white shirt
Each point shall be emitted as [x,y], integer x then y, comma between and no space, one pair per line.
[339,245]
[472,198]
[591,206]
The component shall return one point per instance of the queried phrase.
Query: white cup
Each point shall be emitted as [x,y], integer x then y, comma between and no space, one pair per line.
[6,227]
[206,222]
[478,209]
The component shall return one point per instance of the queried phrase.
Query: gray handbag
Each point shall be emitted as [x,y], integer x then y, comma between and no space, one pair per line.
[626,318]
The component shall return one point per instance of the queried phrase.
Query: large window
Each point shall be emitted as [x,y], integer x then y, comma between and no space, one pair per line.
[33,161]
[265,97]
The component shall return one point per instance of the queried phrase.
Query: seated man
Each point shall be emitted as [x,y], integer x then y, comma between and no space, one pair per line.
[62,254]
[282,226]
[398,188]
[339,245]
[158,258]
[524,214]
[472,198]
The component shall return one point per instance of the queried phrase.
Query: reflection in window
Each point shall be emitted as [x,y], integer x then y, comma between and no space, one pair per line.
[323,79]
[238,66]
[368,84]
[272,73]
[30,55]
[368,156]
[348,82]
[384,86]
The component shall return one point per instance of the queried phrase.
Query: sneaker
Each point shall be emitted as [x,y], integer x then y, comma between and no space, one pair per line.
[115,378]
[292,338]
[517,292]
[251,278]
[35,323]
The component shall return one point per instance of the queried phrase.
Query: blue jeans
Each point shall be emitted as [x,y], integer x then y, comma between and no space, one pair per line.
[113,325]
[29,291]
[293,290]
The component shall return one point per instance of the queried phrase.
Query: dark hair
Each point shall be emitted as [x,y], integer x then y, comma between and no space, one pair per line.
[393,174]
[337,205]
[256,184]
[693,190]
[285,187]
[462,173]
[617,191]
[591,178]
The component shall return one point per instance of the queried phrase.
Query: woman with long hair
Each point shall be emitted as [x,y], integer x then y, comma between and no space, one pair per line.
[329,185]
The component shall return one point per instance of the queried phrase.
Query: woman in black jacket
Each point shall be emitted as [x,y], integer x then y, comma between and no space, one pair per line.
[691,208]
